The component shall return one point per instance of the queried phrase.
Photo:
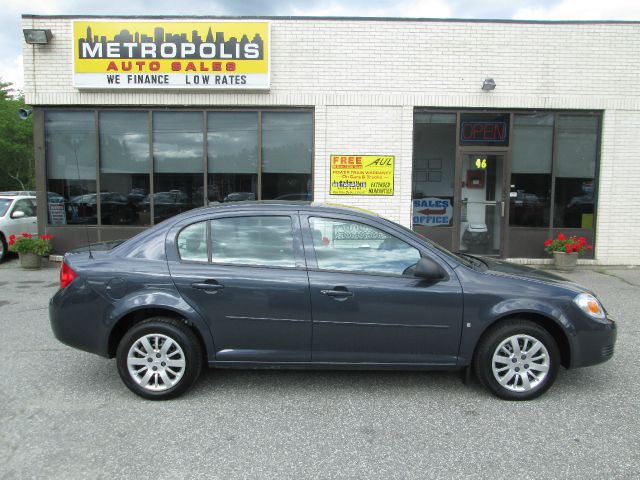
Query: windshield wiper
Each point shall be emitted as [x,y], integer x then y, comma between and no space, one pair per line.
[475,261]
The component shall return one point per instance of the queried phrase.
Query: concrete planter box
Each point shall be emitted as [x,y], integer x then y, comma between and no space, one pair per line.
[30,261]
[565,262]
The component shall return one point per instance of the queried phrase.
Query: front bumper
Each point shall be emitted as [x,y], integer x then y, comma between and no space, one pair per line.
[594,345]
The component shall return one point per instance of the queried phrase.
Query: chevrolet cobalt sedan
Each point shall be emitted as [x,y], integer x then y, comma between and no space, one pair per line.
[301,285]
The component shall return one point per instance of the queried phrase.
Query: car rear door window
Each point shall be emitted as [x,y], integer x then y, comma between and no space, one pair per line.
[257,240]
[192,243]
[349,246]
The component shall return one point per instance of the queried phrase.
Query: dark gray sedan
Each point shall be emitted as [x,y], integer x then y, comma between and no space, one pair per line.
[299,285]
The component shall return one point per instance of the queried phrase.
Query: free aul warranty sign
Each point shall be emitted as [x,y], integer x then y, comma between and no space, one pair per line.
[362,174]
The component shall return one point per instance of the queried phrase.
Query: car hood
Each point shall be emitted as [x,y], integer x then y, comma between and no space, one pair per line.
[522,271]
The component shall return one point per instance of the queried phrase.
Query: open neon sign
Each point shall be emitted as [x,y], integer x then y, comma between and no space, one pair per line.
[485,132]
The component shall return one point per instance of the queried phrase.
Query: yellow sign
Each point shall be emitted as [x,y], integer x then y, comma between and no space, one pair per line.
[171,54]
[362,174]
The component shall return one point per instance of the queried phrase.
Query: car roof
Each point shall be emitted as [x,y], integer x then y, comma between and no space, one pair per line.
[12,196]
[18,193]
[271,205]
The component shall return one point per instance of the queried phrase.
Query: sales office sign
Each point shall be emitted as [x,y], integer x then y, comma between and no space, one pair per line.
[171,54]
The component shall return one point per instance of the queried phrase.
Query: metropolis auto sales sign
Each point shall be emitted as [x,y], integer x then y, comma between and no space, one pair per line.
[171,54]
[362,174]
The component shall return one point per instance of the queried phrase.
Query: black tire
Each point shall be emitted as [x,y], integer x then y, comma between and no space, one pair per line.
[185,339]
[488,345]
[3,247]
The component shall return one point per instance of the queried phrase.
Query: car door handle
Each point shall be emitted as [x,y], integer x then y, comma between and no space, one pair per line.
[207,287]
[337,293]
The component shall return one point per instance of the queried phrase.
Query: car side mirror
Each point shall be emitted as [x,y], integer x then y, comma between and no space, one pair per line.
[429,270]
[18,214]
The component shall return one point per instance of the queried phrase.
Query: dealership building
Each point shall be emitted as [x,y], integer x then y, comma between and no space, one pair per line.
[485,136]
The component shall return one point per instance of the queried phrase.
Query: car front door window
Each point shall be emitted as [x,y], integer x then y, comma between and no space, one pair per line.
[348,246]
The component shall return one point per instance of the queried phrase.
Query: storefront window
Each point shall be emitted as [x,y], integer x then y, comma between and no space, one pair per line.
[434,154]
[124,167]
[531,158]
[177,164]
[287,147]
[71,149]
[232,148]
[575,167]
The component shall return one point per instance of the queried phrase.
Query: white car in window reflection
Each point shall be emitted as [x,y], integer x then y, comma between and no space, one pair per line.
[17,215]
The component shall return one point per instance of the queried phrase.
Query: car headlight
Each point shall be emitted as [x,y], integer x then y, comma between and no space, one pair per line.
[590,305]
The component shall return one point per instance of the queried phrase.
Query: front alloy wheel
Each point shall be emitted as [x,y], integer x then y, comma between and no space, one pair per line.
[520,363]
[159,358]
[517,360]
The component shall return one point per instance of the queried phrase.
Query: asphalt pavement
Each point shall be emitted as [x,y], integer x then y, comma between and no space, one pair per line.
[65,414]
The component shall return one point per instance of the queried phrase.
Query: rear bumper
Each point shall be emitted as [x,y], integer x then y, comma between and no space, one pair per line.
[77,323]
[594,345]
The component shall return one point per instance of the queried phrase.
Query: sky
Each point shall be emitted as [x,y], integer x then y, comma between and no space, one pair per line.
[11,35]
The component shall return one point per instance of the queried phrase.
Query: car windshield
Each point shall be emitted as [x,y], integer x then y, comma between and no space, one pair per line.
[5,203]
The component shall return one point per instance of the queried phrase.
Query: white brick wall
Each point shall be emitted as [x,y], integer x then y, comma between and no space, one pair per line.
[365,77]
[618,227]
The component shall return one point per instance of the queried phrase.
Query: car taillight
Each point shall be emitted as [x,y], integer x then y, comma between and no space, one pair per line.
[67,275]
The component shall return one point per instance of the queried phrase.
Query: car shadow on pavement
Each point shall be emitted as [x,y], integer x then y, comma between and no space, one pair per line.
[287,381]
[592,381]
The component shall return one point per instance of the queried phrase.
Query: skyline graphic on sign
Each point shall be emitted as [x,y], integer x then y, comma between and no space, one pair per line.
[160,37]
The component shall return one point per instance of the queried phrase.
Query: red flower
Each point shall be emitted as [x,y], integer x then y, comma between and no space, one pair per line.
[12,237]
[26,235]
[47,237]
[561,237]
[568,248]
[589,247]
[548,242]
[12,240]
[582,241]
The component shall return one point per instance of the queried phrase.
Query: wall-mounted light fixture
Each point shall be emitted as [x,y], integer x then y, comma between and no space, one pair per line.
[24,113]
[488,84]
[39,36]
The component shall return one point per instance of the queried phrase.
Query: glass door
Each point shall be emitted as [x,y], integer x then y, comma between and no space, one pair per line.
[482,205]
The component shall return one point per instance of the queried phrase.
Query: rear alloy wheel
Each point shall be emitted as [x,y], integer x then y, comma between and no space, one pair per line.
[159,358]
[517,360]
